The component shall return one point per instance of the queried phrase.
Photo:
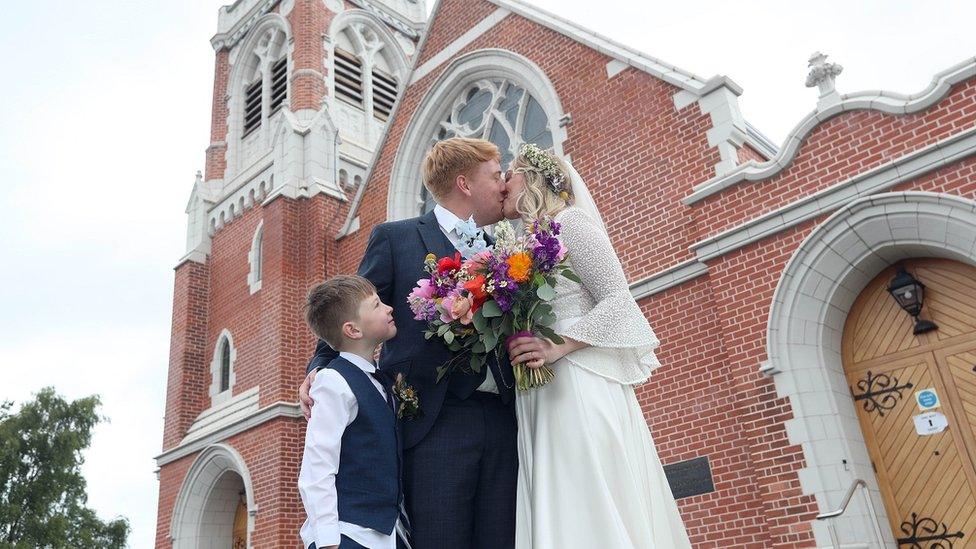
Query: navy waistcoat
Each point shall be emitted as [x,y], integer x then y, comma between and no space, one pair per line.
[368,481]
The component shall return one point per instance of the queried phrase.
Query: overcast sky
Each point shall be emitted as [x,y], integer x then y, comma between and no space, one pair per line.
[105,115]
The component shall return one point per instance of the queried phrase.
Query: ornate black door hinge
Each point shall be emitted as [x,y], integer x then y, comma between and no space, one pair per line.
[924,530]
[880,392]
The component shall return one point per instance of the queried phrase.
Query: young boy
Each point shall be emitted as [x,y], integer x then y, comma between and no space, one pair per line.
[350,475]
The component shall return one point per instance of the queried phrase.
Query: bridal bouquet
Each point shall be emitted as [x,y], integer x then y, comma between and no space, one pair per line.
[498,294]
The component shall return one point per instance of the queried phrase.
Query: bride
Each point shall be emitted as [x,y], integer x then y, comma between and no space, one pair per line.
[589,475]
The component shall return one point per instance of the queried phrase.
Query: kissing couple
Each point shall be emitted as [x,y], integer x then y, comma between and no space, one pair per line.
[567,465]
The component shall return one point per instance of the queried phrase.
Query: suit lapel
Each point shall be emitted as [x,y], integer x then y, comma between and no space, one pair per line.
[435,240]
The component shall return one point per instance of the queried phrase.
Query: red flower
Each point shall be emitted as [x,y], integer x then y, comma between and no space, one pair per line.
[449,264]
[476,287]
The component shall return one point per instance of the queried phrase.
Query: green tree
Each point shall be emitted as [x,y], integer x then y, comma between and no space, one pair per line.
[42,492]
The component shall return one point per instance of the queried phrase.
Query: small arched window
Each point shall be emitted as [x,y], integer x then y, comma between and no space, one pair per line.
[224,366]
[222,369]
[255,259]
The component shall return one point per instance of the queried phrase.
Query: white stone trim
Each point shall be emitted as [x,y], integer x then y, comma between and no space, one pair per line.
[251,187]
[218,417]
[216,395]
[458,44]
[207,471]
[615,67]
[910,166]
[255,259]
[883,101]
[194,256]
[760,142]
[240,424]
[809,308]
[657,68]
[233,27]
[405,184]
[668,278]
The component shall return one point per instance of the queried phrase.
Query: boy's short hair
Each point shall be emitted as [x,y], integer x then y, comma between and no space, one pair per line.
[333,303]
[453,157]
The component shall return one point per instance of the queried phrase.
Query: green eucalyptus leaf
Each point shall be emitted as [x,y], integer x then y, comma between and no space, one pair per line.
[479,321]
[491,309]
[546,292]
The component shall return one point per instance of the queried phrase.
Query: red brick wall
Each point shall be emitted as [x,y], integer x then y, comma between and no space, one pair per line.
[216,153]
[837,150]
[170,481]
[454,18]
[747,153]
[186,384]
[309,21]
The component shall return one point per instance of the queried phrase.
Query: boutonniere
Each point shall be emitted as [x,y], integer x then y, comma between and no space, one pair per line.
[408,403]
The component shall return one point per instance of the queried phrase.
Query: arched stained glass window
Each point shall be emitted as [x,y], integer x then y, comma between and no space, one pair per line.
[500,111]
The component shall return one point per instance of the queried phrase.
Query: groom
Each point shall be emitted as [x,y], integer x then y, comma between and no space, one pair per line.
[460,456]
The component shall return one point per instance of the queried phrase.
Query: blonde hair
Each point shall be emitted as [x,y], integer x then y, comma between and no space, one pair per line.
[538,200]
[453,157]
[333,303]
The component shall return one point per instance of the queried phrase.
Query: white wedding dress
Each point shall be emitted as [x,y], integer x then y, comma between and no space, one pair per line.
[589,476]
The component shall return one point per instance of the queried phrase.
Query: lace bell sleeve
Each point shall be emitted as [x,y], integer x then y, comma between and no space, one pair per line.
[615,322]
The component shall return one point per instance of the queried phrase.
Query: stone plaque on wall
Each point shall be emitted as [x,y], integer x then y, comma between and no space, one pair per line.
[690,478]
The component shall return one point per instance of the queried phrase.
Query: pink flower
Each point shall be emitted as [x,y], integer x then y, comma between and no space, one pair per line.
[562,252]
[476,263]
[423,290]
[462,309]
[447,305]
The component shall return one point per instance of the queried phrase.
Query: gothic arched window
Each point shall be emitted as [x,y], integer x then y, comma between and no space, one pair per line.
[365,72]
[222,369]
[224,366]
[267,88]
[498,110]
[255,259]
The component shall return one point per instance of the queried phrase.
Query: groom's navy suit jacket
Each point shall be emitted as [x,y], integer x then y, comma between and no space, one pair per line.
[394,262]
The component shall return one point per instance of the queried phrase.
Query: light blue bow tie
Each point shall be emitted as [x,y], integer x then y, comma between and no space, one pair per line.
[472,239]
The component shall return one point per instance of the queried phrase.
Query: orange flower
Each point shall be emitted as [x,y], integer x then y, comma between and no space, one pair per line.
[519,266]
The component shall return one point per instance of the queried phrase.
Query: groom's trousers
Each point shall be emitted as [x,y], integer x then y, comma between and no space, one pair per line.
[460,479]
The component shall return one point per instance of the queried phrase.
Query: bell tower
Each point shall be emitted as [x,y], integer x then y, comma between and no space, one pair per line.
[302,93]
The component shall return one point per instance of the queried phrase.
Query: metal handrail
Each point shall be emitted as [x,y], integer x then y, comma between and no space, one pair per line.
[858,483]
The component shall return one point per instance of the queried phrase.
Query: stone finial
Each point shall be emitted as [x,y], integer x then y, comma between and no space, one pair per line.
[822,74]
[199,177]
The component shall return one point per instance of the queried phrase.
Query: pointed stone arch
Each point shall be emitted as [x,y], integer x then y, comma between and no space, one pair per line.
[810,306]
[204,512]
[405,180]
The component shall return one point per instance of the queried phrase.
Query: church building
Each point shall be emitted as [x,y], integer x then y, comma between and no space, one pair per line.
[815,299]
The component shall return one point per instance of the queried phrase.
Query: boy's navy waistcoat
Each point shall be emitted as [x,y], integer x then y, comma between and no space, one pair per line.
[368,481]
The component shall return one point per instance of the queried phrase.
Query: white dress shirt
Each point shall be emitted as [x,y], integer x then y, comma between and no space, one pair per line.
[448,223]
[335,408]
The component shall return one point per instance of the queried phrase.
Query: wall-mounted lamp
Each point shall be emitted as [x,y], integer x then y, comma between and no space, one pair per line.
[910,295]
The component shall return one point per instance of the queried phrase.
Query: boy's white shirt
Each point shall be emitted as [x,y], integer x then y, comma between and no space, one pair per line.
[335,408]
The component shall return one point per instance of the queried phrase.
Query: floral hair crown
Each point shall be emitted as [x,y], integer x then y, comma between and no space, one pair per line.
[545,163]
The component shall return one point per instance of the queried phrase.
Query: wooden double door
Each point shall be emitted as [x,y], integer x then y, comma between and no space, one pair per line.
[915,397]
